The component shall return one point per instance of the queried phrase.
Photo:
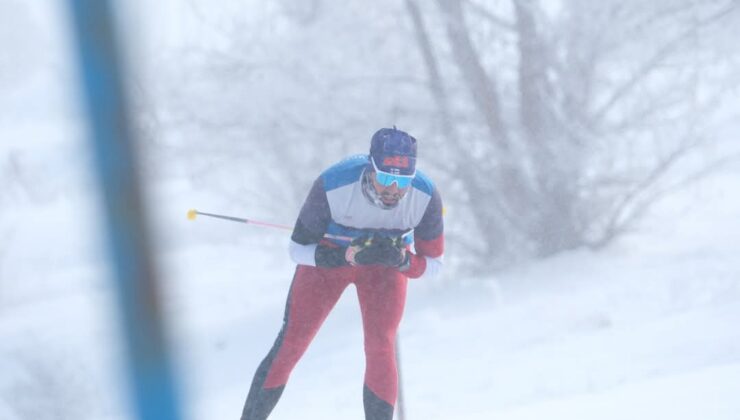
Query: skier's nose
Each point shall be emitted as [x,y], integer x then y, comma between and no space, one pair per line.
[393,188]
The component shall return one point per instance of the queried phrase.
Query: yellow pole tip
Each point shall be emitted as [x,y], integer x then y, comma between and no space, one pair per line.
[192,214]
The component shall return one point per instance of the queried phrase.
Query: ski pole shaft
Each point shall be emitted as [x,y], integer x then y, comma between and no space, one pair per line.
[192,214]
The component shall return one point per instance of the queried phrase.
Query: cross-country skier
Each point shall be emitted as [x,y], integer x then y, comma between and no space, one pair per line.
[357,226]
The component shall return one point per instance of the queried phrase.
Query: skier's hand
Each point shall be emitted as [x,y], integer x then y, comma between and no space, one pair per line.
[330,257]
[357,245]
[377,250]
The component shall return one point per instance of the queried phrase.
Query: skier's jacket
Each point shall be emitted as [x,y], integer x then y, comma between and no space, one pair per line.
[337,209]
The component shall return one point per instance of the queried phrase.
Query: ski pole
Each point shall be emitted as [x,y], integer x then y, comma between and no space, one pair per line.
[193,213]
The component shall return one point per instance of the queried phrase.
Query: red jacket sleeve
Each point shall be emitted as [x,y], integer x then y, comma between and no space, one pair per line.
[428,237]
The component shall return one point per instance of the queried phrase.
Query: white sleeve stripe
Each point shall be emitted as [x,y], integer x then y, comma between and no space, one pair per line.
[303,254]
[434,267]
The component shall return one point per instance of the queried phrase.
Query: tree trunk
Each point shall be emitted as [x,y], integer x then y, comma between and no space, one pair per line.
[551,157]
[485,218]
[506,191]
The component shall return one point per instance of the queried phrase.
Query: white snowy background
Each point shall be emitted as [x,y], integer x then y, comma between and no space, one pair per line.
[648,328]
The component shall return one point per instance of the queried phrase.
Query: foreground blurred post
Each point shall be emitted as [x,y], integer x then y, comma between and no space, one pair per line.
[151,381]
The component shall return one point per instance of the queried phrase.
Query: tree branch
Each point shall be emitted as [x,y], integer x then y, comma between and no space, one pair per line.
[650,65]
[618,222]
[486,14]
[481,87]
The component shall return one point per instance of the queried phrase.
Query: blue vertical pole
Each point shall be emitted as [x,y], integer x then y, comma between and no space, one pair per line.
[151,379]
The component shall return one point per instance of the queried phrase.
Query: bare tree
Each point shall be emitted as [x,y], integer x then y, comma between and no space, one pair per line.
[285,103]
[602,106]
[547,129]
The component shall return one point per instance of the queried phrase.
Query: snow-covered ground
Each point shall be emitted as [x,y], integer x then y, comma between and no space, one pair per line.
[644,329]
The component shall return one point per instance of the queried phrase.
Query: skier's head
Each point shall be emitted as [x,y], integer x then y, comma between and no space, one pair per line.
[393,164]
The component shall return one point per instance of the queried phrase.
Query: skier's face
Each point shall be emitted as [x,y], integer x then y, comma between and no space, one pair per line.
[389,195]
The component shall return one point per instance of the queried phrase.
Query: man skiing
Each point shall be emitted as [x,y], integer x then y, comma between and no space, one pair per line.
[357,226]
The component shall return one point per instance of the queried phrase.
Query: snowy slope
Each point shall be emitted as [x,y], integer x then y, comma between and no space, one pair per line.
[645,329]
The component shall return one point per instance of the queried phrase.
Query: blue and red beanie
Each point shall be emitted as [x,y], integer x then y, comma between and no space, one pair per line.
[393,151]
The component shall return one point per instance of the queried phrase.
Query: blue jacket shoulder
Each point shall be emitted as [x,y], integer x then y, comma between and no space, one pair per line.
[345,172]
[423,183]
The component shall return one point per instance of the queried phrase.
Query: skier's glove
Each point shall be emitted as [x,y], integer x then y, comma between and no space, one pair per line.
[330,257]
[377,250]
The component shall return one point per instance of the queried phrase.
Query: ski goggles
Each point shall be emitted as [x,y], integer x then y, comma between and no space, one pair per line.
[387,179]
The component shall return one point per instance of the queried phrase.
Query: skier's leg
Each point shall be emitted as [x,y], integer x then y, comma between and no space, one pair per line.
[382,295]
[313,294]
